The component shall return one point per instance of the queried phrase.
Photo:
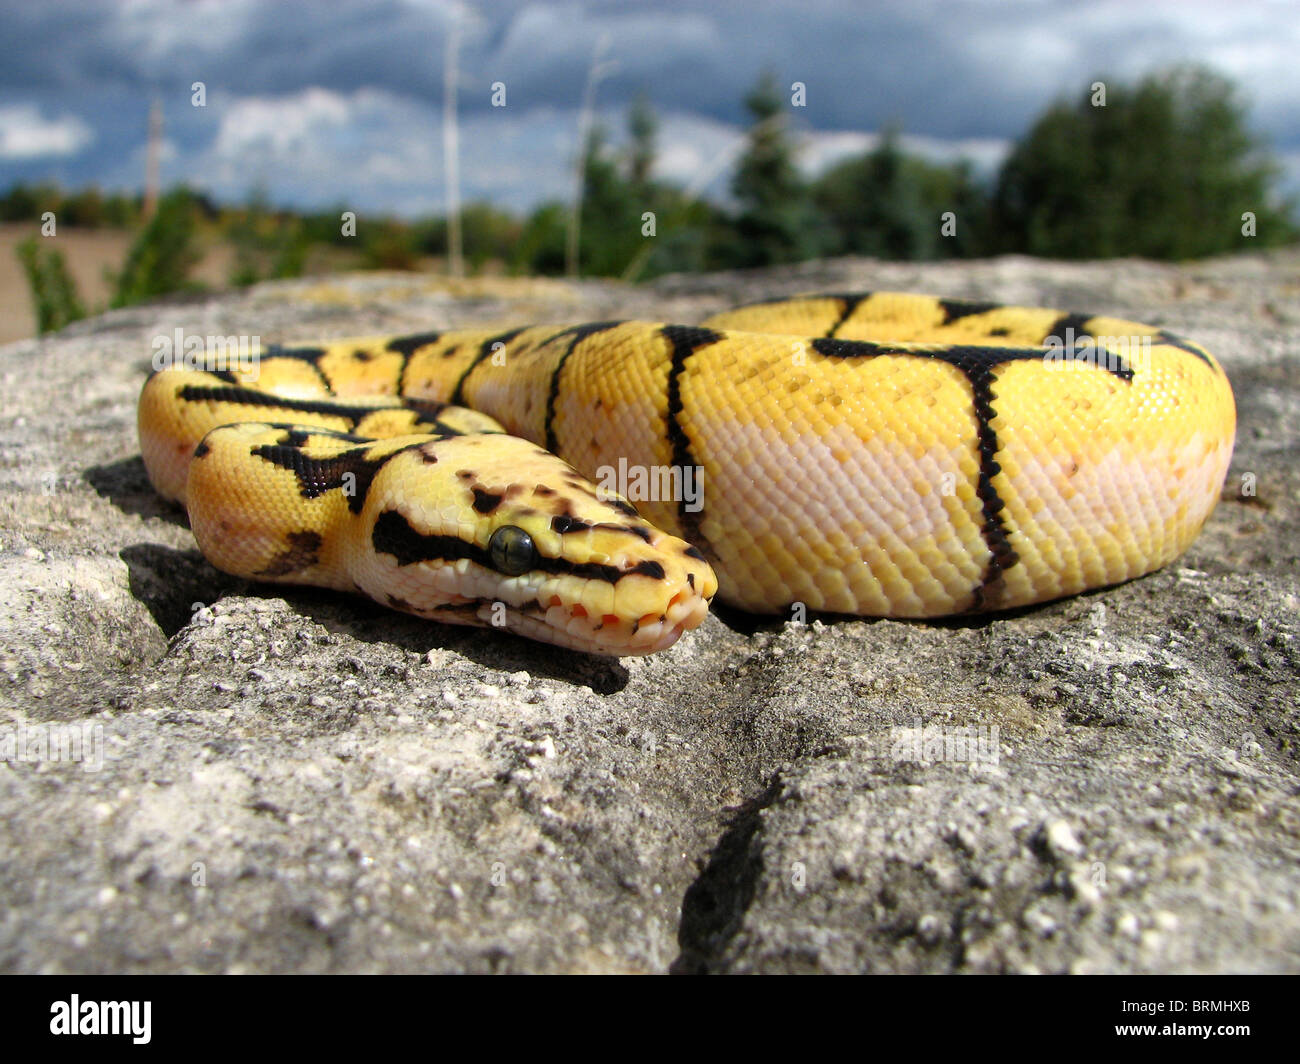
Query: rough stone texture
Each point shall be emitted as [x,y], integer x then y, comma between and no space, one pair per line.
[307,782]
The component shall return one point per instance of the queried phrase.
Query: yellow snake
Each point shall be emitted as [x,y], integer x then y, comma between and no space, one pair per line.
[880,454]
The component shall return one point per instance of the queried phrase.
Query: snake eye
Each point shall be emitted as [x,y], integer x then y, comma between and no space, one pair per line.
[511,550]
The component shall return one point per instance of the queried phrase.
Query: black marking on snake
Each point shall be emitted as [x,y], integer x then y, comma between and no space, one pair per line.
[1173,340]
[978,365]
[815,297]
[566,523]
[484,352]
[485,501]
[574,484]
[301,435]
[303,553]
[394,535]
[309,356]
[202,450]
[427,408]
[1075,327]
[694,552]
[1076,323]
[316,476]
[299,354]
[956,309]
[252,397]
[578,334]
[685,341]
[406,346]
[851,303]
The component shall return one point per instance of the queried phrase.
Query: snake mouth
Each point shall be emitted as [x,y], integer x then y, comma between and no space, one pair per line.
[612,636]
[572,627]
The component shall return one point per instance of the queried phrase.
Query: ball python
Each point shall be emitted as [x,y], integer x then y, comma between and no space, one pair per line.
[594,485]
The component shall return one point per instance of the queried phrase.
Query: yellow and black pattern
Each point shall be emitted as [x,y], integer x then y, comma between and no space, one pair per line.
[871,453]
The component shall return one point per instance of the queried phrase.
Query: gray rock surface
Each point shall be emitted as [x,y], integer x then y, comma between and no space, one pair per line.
[306,782]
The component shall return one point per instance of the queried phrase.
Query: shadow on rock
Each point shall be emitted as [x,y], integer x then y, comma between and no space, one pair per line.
[169,582]
[368,622]
[715,904]
[126,485]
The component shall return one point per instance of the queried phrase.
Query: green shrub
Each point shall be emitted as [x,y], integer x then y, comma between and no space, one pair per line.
[54,294]
[163,254]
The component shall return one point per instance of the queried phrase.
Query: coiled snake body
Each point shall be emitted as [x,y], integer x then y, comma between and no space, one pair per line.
[878,454]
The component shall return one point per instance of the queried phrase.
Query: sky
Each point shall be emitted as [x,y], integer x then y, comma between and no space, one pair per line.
[323,104]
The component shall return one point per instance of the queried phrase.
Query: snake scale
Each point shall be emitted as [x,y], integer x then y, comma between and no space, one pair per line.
[595,485]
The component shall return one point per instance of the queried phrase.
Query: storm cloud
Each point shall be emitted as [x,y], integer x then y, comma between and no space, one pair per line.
[319,104]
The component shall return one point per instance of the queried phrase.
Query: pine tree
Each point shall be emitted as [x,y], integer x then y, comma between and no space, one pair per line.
[776,221]
[1163,170]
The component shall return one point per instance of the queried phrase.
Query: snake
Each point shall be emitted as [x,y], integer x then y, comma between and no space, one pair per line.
[597,485]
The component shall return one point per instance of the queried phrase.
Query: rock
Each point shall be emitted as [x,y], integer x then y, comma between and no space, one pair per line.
[301,781]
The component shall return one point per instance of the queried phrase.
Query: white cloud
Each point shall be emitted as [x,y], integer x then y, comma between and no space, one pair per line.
[370,148]
[283,126]
[820,151]
[24,134]
[345,106]
[318,147]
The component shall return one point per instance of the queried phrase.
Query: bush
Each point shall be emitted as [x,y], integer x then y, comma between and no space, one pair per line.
[390,246]
[54,294]
[267,244]
[162,256]
[1163,170]
[890,205]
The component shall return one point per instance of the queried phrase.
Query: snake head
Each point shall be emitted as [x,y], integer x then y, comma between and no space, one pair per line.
[485,530]
[496,531]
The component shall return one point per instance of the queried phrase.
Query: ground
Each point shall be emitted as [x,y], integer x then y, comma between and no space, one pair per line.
[307,782]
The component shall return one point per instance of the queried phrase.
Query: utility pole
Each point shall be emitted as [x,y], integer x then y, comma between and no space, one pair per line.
[594,74]
[451,148]
[152,155]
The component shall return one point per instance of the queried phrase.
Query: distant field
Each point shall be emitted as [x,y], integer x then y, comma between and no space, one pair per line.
[88,253]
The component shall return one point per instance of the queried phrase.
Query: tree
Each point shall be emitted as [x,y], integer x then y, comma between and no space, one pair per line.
[642,128]
[54,293]
[775,221]
[163,254]
[541,245]
[611,212]
[892,205]
[1163,170]
[267,243]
